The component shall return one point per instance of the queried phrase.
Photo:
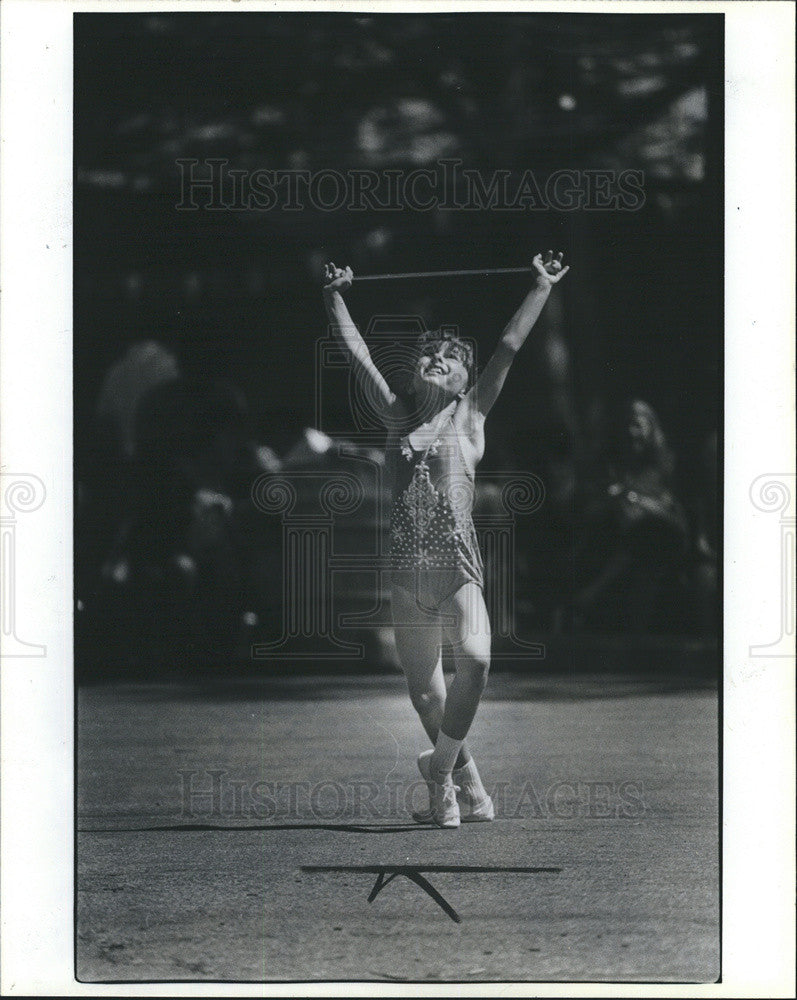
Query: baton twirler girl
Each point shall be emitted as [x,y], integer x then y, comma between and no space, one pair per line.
[435,440]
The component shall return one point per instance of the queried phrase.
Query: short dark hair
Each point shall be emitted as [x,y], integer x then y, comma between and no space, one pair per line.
[431,340]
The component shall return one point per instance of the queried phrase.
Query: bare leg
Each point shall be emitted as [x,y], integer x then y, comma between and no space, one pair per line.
[418,639]
[470,638]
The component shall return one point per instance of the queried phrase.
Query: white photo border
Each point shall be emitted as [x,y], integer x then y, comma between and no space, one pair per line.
[36,441]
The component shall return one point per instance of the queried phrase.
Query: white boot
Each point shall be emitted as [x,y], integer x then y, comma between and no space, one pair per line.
[475,805]
[443,807]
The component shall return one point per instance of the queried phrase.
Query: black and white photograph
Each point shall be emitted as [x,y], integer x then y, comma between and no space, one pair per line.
[401,396]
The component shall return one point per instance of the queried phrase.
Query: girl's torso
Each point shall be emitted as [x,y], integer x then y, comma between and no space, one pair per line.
[432,534]
[448,445]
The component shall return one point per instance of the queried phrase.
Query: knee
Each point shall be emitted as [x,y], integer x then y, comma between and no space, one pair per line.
[427,701]
[474,668]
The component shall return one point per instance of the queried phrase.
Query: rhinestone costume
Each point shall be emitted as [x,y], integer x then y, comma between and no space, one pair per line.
[434,549]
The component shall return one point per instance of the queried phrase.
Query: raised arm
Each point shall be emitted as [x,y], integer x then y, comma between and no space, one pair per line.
[342,325]
[486,390]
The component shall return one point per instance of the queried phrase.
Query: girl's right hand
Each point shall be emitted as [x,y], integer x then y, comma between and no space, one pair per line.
[338,279]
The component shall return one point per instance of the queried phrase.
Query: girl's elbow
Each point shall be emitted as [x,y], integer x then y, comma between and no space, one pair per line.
[511,342]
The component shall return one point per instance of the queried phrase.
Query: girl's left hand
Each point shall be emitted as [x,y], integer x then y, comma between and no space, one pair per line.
[549,270]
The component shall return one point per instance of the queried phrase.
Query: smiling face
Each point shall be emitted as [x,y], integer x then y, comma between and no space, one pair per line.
[443,365]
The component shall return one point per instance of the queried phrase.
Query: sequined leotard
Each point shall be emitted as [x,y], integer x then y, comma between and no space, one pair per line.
[434,549]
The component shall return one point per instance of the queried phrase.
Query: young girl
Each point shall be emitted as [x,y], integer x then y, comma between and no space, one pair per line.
[436,568]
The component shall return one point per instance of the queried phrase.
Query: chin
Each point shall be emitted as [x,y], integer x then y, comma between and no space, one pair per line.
[431,382]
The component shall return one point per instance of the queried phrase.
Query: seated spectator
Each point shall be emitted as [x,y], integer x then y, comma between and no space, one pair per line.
[634,535]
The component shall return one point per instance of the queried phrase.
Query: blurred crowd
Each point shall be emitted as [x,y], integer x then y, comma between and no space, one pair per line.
[175,560]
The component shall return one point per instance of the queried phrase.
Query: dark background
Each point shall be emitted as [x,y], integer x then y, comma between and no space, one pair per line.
[236,295]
